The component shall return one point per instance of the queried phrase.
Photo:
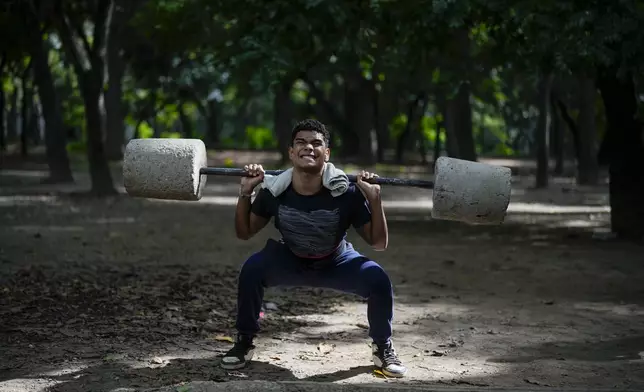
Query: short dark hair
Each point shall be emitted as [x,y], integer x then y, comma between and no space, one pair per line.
[311,125]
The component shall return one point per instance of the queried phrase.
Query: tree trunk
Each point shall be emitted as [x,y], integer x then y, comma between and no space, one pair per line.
[55,137]
[588,167]
[377,123]
[463,112]
[449,122]
[214,123]
[459,108]
[422,141]
[34,122]
[116,66]
[458,125]
[283,117]
[89,64]
[24,112]
[624,149]
[12,119]
[384,113]
[358,109]
[440,125]
[401,143]
[558,150]
[572,127]
[3,142]
[437,142]
[543,127]
[115,135]
[186,124]
[102,183]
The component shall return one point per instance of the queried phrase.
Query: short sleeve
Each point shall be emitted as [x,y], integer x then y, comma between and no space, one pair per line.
[262,205]
[360,209]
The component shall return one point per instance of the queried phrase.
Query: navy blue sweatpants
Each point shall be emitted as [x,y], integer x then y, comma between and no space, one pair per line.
[348,271]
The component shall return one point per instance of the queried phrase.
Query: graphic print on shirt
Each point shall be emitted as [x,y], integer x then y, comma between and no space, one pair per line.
[309,233]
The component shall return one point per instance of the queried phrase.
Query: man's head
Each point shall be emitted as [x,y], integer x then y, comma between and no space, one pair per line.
[309,148]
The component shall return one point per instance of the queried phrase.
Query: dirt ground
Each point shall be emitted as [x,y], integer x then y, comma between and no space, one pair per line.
[101,294]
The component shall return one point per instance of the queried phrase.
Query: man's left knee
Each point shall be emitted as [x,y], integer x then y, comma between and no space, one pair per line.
[376,279]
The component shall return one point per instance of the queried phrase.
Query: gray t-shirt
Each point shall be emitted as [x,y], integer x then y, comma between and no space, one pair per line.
[313,226]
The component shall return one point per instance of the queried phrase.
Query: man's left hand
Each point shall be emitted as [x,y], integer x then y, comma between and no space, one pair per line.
[370,191]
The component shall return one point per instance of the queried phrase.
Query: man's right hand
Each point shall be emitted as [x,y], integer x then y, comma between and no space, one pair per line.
[256,173]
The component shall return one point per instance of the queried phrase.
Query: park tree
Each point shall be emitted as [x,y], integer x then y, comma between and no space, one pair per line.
[87,51]
[545,72]
[594,40]
[121,29]
[27,23]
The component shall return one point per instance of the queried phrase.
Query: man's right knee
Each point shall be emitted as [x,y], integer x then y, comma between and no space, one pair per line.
[253,269]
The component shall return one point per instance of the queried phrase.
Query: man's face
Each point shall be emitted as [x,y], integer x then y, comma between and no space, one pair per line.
[309,151]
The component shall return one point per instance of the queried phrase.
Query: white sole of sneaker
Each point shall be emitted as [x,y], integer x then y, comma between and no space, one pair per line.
[236,366]
[392,375]
[378,363]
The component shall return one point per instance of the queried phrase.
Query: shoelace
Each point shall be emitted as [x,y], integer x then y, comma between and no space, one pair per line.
[390,357]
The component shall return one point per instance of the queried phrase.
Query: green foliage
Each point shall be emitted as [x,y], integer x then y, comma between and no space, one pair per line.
[429,128]
[229,162]
[145,131]
[171,135]
[397,126]
[77,147]
[260,138]
[167,116]
[567,35]
[187,54]
[74,113]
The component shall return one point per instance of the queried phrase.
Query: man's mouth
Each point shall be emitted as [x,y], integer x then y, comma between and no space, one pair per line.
[308,157]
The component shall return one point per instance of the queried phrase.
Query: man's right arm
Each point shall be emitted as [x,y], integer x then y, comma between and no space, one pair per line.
[247,223]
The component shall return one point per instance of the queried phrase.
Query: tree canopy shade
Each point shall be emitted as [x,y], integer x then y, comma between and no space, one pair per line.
[392,79]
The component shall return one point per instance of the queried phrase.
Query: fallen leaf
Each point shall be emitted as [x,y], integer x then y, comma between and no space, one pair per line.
[276,358]
[224,338]
[378,373]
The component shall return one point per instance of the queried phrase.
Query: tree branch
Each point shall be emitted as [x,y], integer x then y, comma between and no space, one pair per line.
[27,69]
[102,22]
[71,47]
[76,30]
[330,110]
[80,33]
[572,125]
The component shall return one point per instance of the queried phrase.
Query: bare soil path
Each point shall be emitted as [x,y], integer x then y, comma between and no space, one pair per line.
[101,294]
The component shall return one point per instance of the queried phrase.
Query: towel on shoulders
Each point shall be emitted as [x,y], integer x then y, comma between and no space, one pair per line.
[333,179]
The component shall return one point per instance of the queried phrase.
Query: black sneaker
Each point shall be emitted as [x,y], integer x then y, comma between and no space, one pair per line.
[386,360]
[239,356]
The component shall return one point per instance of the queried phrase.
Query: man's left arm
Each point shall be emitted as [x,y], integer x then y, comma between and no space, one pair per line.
[370,220]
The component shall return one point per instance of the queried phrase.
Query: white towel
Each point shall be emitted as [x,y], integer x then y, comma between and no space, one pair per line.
[333,179]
